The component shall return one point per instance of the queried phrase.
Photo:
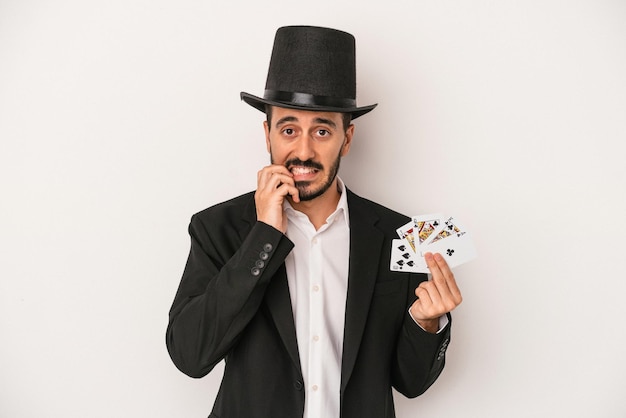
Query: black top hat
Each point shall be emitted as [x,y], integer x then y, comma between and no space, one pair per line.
[311,68]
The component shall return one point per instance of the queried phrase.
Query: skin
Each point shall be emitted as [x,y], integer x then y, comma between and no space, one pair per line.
[299,136]
[303,136]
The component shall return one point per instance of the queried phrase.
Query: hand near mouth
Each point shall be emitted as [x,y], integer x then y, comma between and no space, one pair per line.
[303,170]
[274,184]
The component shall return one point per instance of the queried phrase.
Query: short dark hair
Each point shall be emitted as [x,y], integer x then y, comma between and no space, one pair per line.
[345,117]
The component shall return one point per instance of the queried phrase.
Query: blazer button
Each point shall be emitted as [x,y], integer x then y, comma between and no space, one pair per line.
[297,384]
[255,271]
[260,264]
[263,255]
[268,247]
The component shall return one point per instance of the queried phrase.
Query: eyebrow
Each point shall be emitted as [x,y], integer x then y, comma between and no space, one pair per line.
[322,121]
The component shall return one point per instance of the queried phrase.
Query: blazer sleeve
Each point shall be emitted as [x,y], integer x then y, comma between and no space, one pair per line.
[420,355]
[222,287]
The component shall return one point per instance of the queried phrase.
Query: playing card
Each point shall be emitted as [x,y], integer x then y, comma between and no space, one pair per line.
[406,232]
[424,226]
[445,229]
[430,233]
[456,249]
[404,259]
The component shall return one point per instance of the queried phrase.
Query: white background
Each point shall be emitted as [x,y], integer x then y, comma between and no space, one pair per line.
[120,119]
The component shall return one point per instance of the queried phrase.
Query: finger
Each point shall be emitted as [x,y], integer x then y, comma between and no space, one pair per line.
[433,266]
[449,295]
[275,176]
[423,294]
[269,171]
[270,182]
[276,181]
[447,280]
[430,290]
[426,306]
[439,270]
[285,189]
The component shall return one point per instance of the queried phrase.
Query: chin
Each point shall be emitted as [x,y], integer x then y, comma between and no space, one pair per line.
[306,192]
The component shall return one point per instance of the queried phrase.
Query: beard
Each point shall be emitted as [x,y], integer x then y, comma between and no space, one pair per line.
[306,189]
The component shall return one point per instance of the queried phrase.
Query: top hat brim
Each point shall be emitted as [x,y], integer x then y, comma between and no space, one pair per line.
[260,103]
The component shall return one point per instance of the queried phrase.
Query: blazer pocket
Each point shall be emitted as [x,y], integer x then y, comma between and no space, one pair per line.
[389,286]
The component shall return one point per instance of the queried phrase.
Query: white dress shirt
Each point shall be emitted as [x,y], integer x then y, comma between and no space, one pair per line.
[317,272]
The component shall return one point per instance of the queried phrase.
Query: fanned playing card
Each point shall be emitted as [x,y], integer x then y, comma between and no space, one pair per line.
[406,232]
[419,229]
[430,233]
[445,229]
[403,258]
[425,225]
[456,249]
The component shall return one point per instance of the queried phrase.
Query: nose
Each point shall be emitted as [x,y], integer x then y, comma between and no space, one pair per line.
[304,148]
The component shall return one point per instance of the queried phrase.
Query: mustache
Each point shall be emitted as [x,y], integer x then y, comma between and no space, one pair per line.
[300,163]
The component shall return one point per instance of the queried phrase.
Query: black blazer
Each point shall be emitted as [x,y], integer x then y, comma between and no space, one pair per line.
[233,303]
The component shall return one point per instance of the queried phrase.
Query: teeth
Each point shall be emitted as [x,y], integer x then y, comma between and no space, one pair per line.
[302,170]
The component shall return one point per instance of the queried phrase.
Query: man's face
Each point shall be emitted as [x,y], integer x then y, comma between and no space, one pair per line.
[310,144]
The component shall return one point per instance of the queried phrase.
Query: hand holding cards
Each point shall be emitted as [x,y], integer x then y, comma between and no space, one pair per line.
[430,233]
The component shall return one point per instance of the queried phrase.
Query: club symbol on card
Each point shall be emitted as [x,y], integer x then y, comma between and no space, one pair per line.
[450,252]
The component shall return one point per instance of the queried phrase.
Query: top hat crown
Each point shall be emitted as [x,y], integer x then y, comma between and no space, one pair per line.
[311,68]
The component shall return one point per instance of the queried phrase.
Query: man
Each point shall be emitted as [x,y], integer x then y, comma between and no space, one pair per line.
[291,284]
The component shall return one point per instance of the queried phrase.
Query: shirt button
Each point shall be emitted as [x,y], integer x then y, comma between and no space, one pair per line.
[268,247]
[314,241]
[315,388]
[316,338]
[316,288]
[263,255]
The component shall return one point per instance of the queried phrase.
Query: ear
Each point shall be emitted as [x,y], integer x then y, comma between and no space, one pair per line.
[267,135]
[345,148]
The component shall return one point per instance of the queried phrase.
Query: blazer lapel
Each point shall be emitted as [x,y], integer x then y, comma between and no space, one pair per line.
[277,299]
[279,305]
[366,242]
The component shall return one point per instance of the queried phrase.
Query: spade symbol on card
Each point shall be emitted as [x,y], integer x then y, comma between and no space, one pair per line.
[404,260]
[432,234]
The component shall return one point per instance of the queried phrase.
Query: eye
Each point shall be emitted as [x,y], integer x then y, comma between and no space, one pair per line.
[288,131]
[322,132]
